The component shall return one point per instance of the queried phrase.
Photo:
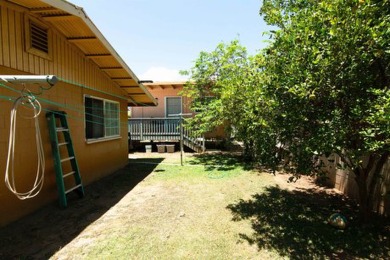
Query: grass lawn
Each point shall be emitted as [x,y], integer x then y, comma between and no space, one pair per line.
[176,213]
[214,207]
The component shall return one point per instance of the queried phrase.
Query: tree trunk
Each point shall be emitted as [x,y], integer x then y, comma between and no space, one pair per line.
[248,150]
[361,180]
[367,188]
[375,180]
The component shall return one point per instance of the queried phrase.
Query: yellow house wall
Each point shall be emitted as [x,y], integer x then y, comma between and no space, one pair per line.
[68,62]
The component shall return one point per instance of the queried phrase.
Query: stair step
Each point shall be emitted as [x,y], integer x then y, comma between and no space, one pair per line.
[73,188]
[67,159]
[68,174]
[194,146]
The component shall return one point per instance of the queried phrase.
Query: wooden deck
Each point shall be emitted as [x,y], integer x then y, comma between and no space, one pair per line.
[163,129]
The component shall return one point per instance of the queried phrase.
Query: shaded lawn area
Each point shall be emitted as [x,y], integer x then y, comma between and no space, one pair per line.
[294,224]
[215,207]
[41,234]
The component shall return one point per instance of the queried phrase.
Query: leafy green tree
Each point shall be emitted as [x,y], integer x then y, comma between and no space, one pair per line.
[224,89]
[328,72]
[321,87]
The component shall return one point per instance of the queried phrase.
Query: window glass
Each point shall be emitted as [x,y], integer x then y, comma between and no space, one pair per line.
[173,106]
[111,118]
[101,118]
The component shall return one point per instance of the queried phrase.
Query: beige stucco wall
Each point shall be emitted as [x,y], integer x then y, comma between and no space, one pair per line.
[159,110]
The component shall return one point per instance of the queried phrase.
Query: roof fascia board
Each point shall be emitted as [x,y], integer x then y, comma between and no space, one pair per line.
[65,6]
[79,11]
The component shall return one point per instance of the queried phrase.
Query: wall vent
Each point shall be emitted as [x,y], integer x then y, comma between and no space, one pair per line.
[39,38]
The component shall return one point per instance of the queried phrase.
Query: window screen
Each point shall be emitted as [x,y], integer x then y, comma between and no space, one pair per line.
[101,118]
[173,106]
[111,118]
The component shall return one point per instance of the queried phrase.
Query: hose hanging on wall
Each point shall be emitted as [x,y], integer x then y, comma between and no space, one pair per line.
[26,99]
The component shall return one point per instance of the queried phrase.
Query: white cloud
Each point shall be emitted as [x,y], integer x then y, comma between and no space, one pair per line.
[162,74]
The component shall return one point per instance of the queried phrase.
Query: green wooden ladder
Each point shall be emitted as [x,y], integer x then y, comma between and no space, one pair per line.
[59,130]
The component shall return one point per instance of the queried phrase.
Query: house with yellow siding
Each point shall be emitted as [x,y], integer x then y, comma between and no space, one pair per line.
[95,86]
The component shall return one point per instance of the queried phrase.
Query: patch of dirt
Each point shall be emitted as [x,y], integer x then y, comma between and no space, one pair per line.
[304,182]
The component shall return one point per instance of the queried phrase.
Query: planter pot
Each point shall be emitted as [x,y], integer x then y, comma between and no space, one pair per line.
[161,148]
[170,148]
[148,148]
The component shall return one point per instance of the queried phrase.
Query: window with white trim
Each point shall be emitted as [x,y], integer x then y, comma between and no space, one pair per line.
[101,118]
[173,106]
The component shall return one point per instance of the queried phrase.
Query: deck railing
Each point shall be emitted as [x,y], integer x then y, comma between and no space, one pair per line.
[163,129]
[154,129]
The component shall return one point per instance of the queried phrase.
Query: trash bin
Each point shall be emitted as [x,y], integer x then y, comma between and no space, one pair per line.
[161,148]
[170,148]
[148,148]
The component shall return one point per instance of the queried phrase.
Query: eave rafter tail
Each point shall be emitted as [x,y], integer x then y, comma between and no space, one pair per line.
[121,78]
[62,17]
[129,87]
[42,9]
[111,68]
[98,55]
[82,39]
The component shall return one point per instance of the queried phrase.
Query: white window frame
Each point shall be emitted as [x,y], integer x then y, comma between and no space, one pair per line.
[165,104]
[105,137]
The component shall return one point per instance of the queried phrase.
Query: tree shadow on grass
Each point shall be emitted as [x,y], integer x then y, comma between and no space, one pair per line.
[41,234]
[294,224]
[220,161]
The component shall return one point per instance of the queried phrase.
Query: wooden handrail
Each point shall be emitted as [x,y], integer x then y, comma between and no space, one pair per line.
[167,129]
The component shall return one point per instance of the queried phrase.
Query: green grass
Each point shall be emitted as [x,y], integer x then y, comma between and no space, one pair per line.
[200,168]
[216,207]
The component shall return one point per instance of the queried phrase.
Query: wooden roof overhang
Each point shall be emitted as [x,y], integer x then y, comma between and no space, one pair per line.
[164,85]
[76,26]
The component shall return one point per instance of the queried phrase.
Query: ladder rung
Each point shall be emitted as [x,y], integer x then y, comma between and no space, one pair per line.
[72,189]
[56,129]
[62,129]
[67,159]
[68,174]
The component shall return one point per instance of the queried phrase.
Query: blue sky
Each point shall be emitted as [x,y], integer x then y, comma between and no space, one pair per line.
[159,38]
